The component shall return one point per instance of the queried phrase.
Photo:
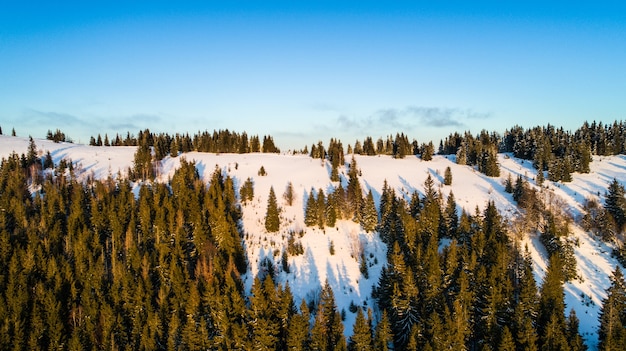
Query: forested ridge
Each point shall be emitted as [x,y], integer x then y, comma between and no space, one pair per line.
[96,265]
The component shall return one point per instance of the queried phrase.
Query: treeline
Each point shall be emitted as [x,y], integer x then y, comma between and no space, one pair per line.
[220,141]
[551,149]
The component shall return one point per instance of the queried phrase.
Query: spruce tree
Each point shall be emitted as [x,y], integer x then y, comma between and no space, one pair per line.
[361,339]
[506,340]
[615,203]
[508,184]
[272,219]
[551,319]
[321,209]
[427,151]
[310,211]
[612,332]
[447,177]
[370,216]
[331,210]
[461,156]
[327,331]
[572,334]
[451,217]
[298,337]
[354,192]
[383,337]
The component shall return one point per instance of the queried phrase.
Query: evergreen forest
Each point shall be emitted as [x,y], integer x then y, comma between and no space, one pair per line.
[129,263]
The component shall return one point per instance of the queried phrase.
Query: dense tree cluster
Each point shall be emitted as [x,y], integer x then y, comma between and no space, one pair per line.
[58,136]
[95,265]
[477,293]
[608,222]
[398,146]
[220,141]
[551,149]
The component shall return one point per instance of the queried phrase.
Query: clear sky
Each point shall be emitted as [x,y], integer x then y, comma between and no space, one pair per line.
[308,71]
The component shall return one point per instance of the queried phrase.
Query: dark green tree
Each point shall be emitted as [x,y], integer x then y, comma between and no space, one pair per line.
[551,318]
[354,192]
[246,192]
[447,176]
[310,211]
[298,338]
[615,203]
[361,339]
[369,219]
[612,331]
[383,339]
[272,217]
[327,331]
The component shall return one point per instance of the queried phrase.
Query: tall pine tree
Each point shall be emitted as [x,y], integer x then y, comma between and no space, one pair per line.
[272,218]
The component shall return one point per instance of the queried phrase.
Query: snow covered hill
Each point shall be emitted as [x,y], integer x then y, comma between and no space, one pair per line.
[307,272]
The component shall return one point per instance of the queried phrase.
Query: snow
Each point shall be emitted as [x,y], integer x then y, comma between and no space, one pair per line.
[317,265]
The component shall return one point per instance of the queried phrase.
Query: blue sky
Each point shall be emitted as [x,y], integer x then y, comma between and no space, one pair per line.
[308,71]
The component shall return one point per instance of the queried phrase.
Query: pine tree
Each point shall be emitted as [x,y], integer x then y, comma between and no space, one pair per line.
[615,203]
[354,192]
[427,151]
[383,337]
[612,332]
[451,216]
[246,193]
[272,219]
[508,184]
[370,216]
[447,177]
[327,331]
[310,212]
[331,210]
[573,336]
[298,338]
[551,319]
[321,209]
[506,340]
[361,339]
[461,155]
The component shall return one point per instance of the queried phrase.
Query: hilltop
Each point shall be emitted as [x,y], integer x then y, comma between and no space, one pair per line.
[341,267]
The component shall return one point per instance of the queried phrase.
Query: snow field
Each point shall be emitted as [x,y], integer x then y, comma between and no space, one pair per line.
[317,265]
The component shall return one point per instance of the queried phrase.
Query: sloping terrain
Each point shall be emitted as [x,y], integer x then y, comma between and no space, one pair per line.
[340,267]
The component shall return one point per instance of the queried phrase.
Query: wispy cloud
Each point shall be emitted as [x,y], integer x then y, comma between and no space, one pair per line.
[407,119]
[437,116]
[36,117]
[412,117]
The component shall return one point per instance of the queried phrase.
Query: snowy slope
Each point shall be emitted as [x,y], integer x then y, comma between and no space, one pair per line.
[310,270]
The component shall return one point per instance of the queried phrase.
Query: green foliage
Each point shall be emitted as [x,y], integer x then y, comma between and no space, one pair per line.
[615,203]
[369,217]
[57,137]
[246,192]
[262,172]
[612,331]
[361,338]
[447,176]
[311,212]
[354,193]
[427,151]
[272,217]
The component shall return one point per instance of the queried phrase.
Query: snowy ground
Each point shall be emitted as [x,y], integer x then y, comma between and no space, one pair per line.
[310,270]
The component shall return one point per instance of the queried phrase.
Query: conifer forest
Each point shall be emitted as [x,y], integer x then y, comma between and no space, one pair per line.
[139,261]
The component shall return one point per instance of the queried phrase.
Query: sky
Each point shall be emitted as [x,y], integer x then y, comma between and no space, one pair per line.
[305,71]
